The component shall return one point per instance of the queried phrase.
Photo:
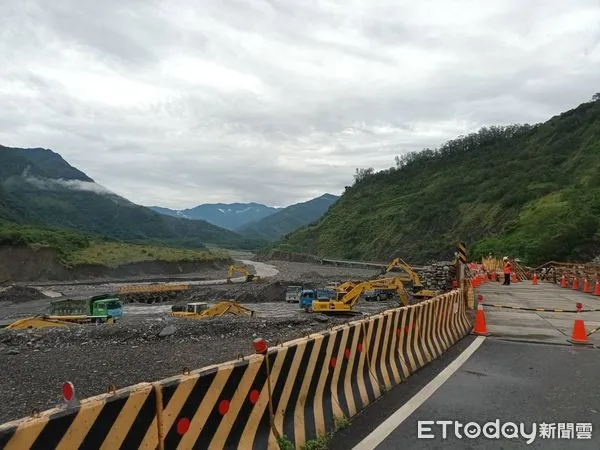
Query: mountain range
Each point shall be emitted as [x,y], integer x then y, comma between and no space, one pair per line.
[286,220]
[226,215]
[39,188]
[256,220]
[526,191]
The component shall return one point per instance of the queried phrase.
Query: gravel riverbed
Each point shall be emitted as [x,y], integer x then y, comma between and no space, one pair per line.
[149,344]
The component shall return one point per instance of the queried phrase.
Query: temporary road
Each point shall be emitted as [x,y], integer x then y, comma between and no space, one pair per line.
[525,372]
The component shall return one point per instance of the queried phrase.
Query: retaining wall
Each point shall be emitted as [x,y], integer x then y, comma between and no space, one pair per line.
[313,380]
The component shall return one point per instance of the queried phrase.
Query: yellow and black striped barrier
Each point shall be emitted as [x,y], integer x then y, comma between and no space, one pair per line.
[125,419]
[540,309]
[313,380]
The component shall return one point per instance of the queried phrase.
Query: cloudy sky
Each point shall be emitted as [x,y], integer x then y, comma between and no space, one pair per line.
[180,102]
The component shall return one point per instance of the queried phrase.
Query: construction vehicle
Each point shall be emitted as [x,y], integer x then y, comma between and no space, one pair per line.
[378,294]
[308,296]
[152,293]
[292,294]
[41,321]
[346,286]
[345,302]
[201,310]
[410,276]
[106,308]
[240,269]
[97,309]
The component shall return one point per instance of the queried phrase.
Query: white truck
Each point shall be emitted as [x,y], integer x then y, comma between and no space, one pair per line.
[292,294]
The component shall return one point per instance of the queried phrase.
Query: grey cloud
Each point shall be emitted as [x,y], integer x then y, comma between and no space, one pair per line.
[77,185]
[178,102]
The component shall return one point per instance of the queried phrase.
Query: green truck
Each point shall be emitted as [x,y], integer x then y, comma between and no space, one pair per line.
[98,309]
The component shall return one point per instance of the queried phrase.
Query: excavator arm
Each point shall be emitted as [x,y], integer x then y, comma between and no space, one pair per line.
[346,302]
[411,275]
[217,310]
[239,269]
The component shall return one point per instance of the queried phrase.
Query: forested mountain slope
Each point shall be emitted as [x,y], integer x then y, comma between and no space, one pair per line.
[526,191]
[39,188]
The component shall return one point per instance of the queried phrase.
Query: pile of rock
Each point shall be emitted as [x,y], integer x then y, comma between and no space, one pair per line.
[438,276]
[18,294]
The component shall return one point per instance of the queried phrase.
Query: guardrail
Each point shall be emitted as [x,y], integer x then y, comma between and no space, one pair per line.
[307,383]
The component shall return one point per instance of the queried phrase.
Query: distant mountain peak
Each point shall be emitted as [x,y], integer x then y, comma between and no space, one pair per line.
[289,219]
[231,216]
[38,187]
[40,162]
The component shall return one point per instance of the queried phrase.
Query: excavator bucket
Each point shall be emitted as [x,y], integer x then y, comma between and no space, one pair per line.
[217,310]
[36,322]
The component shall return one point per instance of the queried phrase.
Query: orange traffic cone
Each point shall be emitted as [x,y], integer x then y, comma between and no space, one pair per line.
[514,277]
[586,287]
[597,289]
[579,335]
[563,281]
[575,284]
[534,281]
[480,327]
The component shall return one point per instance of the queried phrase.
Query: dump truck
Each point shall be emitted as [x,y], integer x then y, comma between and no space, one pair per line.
[98,309]
[308,296]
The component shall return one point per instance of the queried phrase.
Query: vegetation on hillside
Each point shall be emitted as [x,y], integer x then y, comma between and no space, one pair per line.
[40,189]
[75,249]
[531,192]
[114,254]
[288,219]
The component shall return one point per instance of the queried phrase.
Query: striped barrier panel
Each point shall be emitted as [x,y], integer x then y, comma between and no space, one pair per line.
[125,419]
[313,380]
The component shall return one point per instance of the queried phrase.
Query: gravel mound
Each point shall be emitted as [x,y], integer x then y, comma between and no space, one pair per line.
[19,294]
[240,292]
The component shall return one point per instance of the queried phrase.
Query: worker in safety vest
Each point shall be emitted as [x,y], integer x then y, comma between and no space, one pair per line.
[507,270]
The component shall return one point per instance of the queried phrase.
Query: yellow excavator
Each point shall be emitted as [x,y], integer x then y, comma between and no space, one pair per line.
[240,269]
[410,276]
[201,310]
[346,301]
[346,286]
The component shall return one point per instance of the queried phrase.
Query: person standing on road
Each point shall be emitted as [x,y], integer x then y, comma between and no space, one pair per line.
[507,271]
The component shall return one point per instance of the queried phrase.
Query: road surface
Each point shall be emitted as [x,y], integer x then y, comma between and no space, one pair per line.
[526,373]
[511,381]
[538,326]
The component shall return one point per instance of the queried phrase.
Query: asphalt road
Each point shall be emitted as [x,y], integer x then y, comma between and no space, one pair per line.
[511,381]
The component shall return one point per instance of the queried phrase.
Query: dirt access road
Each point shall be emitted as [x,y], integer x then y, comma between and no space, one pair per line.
[148,344]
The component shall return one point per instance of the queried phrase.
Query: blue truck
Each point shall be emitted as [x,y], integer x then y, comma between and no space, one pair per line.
[307,296]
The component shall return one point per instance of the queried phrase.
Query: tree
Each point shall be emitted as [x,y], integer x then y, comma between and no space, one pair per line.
[362,174]
[596,97]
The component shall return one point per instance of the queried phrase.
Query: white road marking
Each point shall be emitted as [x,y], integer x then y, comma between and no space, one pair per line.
[378,435]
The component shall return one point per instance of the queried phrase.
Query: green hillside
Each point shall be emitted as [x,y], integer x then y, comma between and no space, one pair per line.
[288,219]
[526,191]
[39,188]
[75,249]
